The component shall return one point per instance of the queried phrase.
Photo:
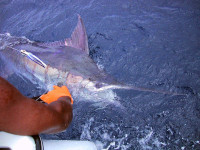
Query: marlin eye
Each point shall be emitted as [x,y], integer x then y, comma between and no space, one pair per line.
[59,84]
[98,85]
[22,51]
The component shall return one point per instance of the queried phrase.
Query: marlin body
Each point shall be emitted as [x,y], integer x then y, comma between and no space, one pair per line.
[64,62]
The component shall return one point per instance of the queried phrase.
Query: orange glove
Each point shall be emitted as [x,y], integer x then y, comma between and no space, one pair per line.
[56,93]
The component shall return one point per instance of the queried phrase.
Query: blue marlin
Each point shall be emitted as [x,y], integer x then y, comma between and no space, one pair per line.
[64,62]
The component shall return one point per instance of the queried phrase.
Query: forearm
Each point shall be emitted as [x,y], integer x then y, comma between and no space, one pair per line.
[21,115]
[64,109]
[33,118]
[9,95]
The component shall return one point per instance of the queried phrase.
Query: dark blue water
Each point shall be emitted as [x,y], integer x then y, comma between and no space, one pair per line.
[152,44]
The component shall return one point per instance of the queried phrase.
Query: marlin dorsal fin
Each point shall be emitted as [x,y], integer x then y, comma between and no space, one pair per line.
[79,37]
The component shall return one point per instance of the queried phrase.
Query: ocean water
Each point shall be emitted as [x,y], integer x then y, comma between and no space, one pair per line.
[150,44]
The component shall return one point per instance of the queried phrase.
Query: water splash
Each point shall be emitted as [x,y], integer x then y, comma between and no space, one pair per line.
[105,138]
[150,141]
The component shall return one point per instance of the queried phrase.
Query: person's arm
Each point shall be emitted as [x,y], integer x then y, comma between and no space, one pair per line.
[25,116]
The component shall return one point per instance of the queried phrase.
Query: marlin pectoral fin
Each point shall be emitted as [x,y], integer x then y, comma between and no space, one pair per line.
[34,58]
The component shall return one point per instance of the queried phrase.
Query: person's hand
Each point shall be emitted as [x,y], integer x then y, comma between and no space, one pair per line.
[55,94]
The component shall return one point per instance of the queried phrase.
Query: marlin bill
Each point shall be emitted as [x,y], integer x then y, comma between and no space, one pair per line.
[65,62]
